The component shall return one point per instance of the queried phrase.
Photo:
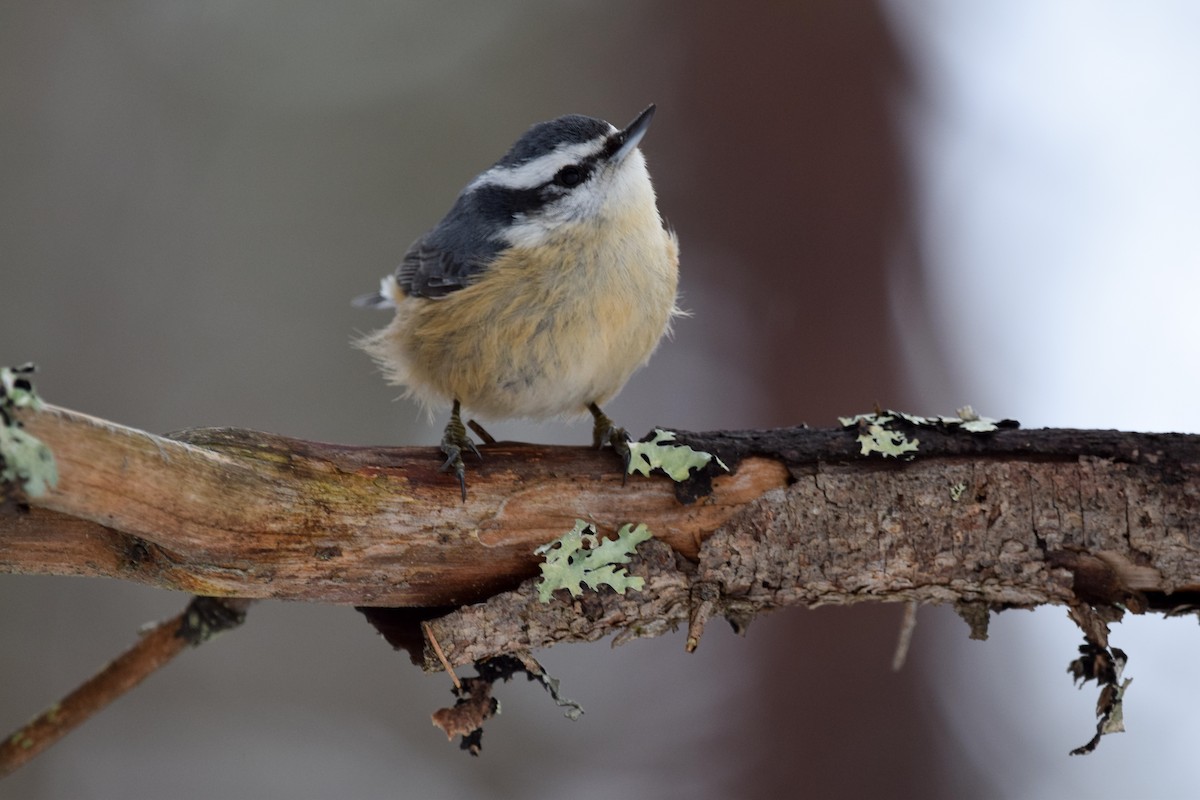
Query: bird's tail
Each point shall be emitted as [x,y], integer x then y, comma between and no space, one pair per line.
[387,296]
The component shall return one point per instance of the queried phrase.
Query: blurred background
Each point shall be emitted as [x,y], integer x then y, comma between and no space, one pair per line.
[917,203]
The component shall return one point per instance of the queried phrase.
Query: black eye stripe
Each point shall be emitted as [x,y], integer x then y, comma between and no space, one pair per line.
[570,176]
[501,203]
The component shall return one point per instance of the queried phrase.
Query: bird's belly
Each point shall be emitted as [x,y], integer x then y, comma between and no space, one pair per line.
[540,365]
[542,357]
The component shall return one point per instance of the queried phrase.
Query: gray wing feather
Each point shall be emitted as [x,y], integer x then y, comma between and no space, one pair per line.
[457,250]
[430,271]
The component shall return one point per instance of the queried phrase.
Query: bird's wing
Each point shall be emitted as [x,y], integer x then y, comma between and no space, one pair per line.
[432,271]
[455,252]
[447,258]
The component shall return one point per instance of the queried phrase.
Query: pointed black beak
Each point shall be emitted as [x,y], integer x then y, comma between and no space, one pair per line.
[627,140]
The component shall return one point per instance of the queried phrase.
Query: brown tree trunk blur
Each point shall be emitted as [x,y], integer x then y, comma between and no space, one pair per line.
[810,216]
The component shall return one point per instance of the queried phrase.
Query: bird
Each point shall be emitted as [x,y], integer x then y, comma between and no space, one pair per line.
[549,282]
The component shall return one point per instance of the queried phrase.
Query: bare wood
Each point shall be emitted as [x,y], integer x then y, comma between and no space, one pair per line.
[240,513]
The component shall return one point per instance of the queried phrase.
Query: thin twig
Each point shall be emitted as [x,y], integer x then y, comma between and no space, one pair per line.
[907,626]
[437,649]
[154,650]
[481,432]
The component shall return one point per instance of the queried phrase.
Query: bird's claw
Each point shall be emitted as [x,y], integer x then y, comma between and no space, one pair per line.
[454,441]
[454,461]
[604,431]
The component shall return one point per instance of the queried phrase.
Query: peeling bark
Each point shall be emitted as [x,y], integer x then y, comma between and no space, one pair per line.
[1022,534]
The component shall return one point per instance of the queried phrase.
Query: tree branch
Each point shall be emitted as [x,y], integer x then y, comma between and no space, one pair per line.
[1100,521]
[157,647]
[1023,533]
[1009,518]
[225,512]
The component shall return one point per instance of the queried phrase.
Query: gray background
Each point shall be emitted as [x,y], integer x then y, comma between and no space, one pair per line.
[192,191]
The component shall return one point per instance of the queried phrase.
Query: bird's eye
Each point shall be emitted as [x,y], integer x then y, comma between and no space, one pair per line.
[570,175]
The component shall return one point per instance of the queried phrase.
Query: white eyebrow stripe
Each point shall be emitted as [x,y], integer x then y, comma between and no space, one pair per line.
[540,170]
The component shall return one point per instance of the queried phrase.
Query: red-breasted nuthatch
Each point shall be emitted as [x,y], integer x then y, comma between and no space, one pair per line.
[549,282]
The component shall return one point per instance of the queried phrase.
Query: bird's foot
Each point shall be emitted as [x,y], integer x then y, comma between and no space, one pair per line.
[605,431]
[454,443]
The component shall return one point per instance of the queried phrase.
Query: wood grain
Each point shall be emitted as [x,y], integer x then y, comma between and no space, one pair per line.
[227,512]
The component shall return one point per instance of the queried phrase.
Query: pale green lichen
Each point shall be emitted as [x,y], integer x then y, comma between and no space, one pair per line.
[24,459]
[875,437]
[876,434]
[581,558]
[888,443]
[677,460]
